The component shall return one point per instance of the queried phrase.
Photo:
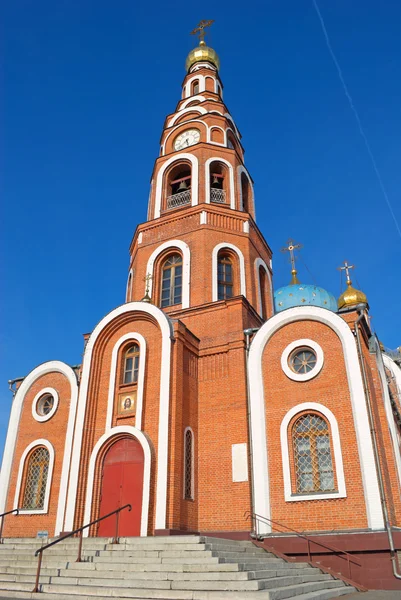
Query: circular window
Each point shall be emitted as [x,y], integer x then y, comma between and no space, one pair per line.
[302,360]
[45,404]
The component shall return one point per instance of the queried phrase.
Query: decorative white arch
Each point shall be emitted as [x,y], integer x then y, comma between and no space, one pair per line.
[202,65]
[192,463]
[54,366]
[259,262]
[162,446]
[396,371]
[215,253]
[142,439]
[188,85]
[207,179]
[192,99]
[224,135]
[199,109]
[194,179]
[338,459]
[229,117]
[137,337]
[128,290]
[241,169]
[50,449]
[176,127]
[186,267]
[260,443]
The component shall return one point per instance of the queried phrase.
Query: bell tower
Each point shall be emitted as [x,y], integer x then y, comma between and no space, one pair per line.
[200,244]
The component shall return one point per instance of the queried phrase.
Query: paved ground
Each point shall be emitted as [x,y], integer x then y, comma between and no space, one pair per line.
[378,595]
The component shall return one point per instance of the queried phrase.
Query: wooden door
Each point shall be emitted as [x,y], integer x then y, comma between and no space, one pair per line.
[122,483]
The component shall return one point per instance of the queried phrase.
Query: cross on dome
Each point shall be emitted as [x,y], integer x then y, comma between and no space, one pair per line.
[347,269]
[291,247]
[200,29]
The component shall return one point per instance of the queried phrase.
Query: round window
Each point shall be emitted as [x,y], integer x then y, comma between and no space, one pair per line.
[302,360]
[45,405]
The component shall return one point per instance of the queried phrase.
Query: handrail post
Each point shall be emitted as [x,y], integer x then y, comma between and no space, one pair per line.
[79,559]
[349,566]
[309,556]
[115,541]
[36,588]
[1,530]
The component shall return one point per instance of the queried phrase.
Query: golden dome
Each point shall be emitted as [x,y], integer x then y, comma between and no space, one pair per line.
[202,53]
[351,296]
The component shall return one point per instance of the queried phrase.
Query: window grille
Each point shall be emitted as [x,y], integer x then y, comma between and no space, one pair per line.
[188,488]
[217,196]
[36,479]
[45,405]
[171,291]
[131,364]
[224,277]
[312,453]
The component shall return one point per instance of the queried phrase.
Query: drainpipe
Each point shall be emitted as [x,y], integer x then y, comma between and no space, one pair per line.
[361,311]
[248,334]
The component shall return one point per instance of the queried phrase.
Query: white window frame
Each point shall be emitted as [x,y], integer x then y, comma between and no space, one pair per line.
[302,343]
[215,254]
[32,445]
[338,467]
[42,418]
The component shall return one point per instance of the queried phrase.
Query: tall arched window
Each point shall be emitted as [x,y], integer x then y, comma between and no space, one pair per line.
[188,465]
[218,177]
[195,87]
[36,479]
[179,183]
[312,454]
[263,291]
[246,192]
[171,284]
[131,364]
[224,276]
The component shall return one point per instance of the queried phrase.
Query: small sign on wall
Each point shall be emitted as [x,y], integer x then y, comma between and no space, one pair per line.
[240,462]
[42,534]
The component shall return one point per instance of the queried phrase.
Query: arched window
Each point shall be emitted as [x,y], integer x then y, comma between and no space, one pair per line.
[246,192]
[131,364]
[171,284]
[263,291]
[218,176]
[179,185]
[312,454]
[224,276]
[36,479]
[195,87]
[188,465]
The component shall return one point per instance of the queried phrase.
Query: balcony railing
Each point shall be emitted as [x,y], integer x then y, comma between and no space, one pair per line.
[180,199]
[217,196]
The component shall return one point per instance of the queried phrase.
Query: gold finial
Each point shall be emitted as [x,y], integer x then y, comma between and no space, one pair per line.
[147,280]
[351,296]
[291,246]
[201,30]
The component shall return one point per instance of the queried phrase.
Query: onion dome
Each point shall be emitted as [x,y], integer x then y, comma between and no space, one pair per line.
[202,53]
[300,294]
[351,297]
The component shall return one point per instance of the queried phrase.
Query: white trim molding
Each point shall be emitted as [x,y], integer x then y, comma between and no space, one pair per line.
[54,366]
[396,372]
[135,337]
[42,418]
[303,343]
[215,253]
[259,262]
[160,178]
[50,449]
[197,108]
[164,402]
[188,85]
[231,179]
[192,464]
[260,443]
[241,169]
[142,439]
[184,103]
[186,267]
[338,466]
[128,290]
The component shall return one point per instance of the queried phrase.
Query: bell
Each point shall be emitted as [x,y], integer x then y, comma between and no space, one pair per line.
[183,185]
[215,180]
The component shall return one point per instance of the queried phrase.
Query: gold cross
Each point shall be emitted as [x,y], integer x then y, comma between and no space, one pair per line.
[201,30]
[147,279]
[291,246]
[347,269]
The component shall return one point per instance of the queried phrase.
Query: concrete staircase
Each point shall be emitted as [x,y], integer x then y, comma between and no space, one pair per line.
[166,568]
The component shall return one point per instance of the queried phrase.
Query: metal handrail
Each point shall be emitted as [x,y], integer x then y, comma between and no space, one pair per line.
[2,521]
[255,517]
[39,551]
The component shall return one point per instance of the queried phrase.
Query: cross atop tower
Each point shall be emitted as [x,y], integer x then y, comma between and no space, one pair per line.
[347,269]
[201,30]
[291,247]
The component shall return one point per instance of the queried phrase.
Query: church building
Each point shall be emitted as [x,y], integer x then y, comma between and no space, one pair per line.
[210,401]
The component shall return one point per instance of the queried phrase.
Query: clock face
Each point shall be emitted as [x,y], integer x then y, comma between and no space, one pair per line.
[187,138]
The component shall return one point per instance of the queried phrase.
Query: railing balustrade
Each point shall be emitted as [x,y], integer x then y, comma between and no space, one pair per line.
[15,510]
[218,196]
[180,199]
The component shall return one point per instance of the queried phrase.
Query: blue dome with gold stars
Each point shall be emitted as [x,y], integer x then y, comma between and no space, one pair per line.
[300,294]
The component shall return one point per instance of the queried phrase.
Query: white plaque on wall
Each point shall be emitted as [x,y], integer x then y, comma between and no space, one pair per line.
[240,462]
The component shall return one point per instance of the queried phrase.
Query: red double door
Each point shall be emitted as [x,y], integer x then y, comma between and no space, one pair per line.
[122,483]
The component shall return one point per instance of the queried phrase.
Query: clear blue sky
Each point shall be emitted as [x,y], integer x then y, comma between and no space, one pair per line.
[86,88]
